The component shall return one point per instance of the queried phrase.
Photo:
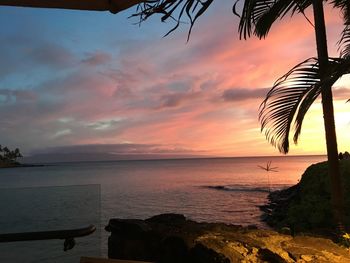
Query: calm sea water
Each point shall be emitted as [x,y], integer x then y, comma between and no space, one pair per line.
[217,190]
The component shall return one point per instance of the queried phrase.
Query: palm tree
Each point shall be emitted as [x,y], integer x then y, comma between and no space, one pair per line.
[292,95]
[17,154]
[1,157]
[9,156]
[290,98]
[6,152]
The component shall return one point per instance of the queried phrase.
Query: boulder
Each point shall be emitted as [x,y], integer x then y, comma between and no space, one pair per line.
[171,238]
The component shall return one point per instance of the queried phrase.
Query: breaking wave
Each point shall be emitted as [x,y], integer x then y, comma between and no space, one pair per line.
[244,188]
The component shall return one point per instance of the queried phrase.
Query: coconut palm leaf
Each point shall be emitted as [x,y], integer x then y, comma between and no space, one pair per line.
[340,3]
[336,68]
[173,9]
[277,11]
[278,109]
[287,103]
[252,10]
[259,15]
[344,42]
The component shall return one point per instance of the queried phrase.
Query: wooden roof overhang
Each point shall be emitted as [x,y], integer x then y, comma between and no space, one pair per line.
[114,6]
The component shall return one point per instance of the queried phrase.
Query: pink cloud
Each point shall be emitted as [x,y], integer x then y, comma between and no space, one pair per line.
[203,95]
[97,58]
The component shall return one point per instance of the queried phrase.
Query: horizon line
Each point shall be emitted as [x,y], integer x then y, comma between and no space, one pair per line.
[189,157]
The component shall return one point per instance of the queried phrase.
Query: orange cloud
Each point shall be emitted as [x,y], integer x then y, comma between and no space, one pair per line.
[203,95]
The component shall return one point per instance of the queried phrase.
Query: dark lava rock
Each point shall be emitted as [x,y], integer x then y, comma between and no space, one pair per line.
[173,249]
[203,254]
[167,219]
[171,238]
[129,236]
[267,255]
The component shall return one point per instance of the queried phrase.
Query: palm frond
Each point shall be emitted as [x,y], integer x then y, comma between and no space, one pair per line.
[265,21]
[278,11]
[337,67]
[344,42]
[340,3]
[278,109]
[259,15]
[287,103]
[252,10]
[306,103]
[173,9]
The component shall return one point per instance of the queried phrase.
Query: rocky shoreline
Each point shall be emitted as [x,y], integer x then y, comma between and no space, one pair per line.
[306,207]
[277,207]
[171,238]
[301,216]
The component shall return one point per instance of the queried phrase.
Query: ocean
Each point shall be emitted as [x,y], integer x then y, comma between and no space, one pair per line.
[72,195]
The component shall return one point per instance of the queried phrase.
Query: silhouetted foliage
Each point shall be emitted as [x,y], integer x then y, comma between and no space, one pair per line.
[8,157]
[287,103]
[173,9]
[292,95]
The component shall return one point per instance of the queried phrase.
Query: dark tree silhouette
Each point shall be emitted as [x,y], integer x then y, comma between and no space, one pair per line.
[8,157]
[292,95]
[17,154]
[6,152]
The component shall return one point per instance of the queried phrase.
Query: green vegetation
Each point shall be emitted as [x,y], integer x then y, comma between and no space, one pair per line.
[9,158]
[307,206]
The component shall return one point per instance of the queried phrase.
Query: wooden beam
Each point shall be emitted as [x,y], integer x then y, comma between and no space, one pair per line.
[113,6]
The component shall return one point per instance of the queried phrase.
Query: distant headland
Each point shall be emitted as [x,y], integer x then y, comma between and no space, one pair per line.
[9,158]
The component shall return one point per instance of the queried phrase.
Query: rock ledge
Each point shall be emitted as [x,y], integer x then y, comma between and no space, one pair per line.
[171,238]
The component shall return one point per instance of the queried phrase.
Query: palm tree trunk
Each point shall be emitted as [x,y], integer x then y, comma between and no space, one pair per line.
[328,115]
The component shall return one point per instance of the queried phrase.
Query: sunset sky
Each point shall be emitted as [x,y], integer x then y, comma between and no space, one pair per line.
[72,80]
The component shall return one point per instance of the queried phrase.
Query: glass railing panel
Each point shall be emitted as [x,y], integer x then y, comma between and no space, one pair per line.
[48,209]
